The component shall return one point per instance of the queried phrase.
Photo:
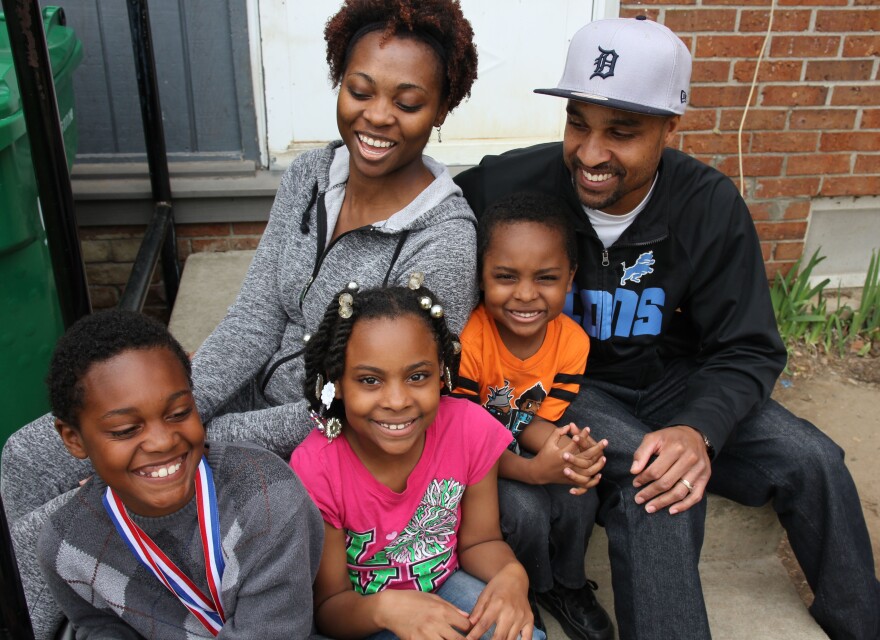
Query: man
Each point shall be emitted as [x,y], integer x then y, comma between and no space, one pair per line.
[685,351]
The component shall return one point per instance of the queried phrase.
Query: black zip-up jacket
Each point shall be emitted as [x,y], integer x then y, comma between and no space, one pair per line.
[686,278]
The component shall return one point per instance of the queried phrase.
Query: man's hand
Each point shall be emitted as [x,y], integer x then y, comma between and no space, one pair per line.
[681,460]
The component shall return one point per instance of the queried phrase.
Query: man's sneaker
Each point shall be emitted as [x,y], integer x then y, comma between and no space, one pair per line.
[539,621]
[579,613]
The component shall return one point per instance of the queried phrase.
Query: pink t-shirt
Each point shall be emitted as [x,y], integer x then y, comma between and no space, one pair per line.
[403,540]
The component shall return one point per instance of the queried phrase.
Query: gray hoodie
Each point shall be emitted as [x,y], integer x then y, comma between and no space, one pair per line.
[248,375]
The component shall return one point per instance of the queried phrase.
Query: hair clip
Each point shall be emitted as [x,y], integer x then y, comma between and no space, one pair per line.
[416,280]
[436,311]
[345,305]
[456,347]
[330,428]
[328,393]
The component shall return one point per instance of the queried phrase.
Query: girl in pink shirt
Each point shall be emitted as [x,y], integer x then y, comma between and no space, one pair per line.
[406,480]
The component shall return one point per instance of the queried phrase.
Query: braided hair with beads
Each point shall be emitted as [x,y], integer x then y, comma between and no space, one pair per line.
[325,351]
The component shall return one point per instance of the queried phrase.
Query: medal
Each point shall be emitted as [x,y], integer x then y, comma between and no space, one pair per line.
[207,609]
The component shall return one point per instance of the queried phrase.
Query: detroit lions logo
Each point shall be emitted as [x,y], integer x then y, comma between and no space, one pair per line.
[641,267]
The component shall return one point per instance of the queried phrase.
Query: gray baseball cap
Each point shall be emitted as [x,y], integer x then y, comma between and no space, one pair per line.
[633,64]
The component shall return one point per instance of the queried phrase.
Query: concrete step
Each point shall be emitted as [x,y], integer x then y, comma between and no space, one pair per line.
[747,590]
[208,287]
[748,593]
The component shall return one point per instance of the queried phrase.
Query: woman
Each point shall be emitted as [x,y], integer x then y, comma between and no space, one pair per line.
[370,209]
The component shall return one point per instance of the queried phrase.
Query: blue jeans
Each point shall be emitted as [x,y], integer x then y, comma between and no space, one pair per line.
[772,456]
[462,590]
[548,529]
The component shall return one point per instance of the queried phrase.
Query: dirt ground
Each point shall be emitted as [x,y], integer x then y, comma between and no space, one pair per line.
[841,396]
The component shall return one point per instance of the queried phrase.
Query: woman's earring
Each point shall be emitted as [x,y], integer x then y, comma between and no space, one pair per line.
[448,380]
[439,137]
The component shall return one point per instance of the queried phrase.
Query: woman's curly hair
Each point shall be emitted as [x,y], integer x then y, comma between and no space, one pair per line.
[440,21]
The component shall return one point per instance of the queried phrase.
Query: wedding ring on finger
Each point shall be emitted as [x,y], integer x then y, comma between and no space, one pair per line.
[687,484]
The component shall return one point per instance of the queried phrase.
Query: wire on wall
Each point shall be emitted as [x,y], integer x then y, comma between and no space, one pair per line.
[742,183]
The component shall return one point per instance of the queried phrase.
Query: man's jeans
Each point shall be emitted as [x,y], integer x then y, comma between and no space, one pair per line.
[462,590]
[772,456]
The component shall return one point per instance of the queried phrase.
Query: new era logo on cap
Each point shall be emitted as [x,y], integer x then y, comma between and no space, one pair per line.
[631,64]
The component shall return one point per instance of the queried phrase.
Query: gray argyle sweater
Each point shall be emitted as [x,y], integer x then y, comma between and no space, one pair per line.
[248,374]
[271,536]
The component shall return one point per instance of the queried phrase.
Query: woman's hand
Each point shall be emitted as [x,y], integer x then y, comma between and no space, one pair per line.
[504,603]
[416,615]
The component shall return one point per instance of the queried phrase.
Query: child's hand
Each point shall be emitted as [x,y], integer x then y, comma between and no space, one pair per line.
[549,464]
[581,437]
[571,460]
[504,603]
[585,464]
[416,615]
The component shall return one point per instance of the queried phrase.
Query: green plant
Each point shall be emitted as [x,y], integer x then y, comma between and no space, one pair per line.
[802,310]
[799,307]
[866,319]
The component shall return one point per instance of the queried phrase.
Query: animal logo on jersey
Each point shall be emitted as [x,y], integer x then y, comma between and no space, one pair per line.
[605,63]
[641,267]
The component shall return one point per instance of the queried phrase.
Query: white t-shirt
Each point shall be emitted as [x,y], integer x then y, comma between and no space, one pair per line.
[610,227]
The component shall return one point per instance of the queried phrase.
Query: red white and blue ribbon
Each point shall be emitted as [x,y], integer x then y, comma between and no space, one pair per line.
[208,609]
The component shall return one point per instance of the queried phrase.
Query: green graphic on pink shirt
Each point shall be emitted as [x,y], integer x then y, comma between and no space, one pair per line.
[423,546]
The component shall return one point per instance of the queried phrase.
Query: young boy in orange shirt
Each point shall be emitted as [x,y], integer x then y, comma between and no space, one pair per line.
[523,360]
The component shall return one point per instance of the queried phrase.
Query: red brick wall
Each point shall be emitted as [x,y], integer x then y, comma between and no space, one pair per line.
[813,127]
[110,251]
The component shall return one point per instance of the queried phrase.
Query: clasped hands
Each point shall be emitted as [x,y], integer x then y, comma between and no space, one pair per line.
[569,455]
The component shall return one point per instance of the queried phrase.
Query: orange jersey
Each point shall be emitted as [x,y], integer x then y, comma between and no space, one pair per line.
[515,390]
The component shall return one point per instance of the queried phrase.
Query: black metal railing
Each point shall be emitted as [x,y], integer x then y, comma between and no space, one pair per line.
[34,73]
[160,238]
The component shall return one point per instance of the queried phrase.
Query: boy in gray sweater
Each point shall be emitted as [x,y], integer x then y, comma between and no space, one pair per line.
[173,537]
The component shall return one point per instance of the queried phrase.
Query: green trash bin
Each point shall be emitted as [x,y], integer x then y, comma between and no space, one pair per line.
[30,317]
